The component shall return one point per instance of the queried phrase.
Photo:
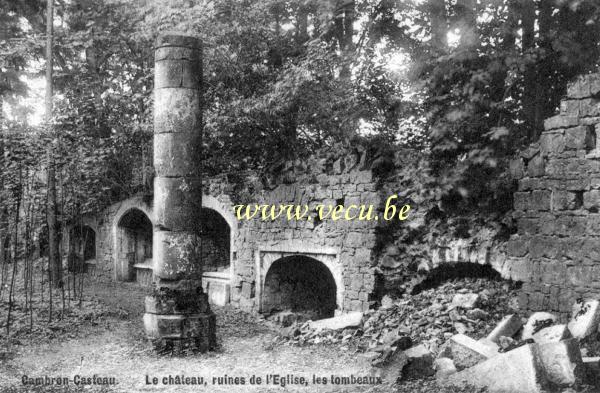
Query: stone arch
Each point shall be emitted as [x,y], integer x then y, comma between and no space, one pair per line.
[132,228]
[218,283]
[462,251]
[301,284]
[265,257]
[215,236]
[225,210]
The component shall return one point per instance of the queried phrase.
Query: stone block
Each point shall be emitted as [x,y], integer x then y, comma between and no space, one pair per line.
[585,318]
[444,367]
[419,364]
[178,203]
[351,319]
[247,290]
[578,89]
[552,334]
[176,255]
[514,371]
[466,352]
[589,107]
[561,362]
[535,166]
[508,327]
[552,143]
[592,365]
[570,107]
[199,325]
[465,300]
[518,246]
[521,200]
[163,326]
[560,121]
[218,292]
[591,199]
[565,200]
[578,138]
[177,110]
[178,73]
[536,322]
[540,200]
[177,154]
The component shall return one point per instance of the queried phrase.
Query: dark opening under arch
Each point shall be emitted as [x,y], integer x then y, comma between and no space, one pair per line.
[216,241]
[134,241]
[300,284]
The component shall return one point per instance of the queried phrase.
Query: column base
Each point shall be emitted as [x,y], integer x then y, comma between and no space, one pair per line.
[181,333]
[180,321]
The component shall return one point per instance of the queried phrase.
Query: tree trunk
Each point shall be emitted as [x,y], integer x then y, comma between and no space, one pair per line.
[466,22]
[439,24]
[529,79]
[344,26]
[55,265]
[500,69]
[543,100]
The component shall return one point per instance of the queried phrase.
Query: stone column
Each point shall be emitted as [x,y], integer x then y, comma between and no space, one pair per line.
[177,314]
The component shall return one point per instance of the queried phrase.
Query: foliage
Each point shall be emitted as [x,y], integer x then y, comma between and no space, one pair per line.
[463,83]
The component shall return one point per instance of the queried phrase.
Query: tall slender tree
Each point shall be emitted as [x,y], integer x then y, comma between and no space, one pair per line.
[54,262]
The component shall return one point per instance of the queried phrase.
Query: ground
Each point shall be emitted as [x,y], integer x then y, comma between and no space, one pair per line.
[114,345]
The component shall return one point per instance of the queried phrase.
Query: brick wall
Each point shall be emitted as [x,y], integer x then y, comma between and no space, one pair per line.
[557,205]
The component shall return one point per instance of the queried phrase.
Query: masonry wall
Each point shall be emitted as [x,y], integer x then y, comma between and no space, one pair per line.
[345,246]
[102,224]
[557,205]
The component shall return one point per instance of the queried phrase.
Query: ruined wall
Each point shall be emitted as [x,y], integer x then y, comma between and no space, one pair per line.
[557,205]
[344,247]
[103,226]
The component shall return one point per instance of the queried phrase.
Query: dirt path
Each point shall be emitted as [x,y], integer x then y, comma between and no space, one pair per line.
[117,348]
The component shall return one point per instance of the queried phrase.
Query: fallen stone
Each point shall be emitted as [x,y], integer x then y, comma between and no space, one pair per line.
[562,362]
[465,300]
[536,322]
[584,319]
[351,319]
[466,352]
[477,314]
[592,364]
[509,326]
[419,364]
[391,364]
[591,368]
[387,302]
[393,339]
[460,327]
[286,318]
[552,334]
[510,372]
[444,367]
[490,344]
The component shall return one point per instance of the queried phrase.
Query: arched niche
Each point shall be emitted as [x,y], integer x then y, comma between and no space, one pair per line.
[300,284]
[132,229]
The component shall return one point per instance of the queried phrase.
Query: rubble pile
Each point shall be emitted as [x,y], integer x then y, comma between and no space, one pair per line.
[468,334]
[468,305]
[535,355]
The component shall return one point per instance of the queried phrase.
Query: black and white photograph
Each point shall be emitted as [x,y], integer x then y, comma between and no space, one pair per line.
[370,196]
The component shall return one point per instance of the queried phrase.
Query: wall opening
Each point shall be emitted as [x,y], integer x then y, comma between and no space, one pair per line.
[134,242]
[299,284]
[455,271]
[216,241]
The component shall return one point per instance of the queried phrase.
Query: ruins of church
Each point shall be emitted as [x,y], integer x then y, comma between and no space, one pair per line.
[324,268]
